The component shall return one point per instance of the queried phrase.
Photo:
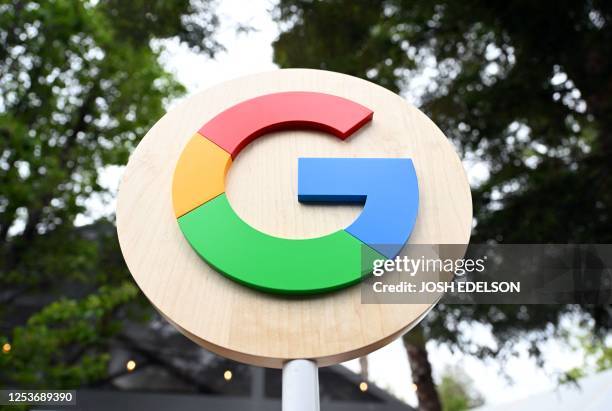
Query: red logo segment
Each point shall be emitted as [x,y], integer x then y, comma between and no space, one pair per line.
[237,126]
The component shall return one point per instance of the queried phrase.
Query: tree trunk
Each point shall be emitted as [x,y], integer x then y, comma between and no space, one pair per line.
[426,392]
[363,363]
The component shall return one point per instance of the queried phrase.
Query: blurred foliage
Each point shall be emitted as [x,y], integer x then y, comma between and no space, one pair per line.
[522,88]
[597,358]
[56,345]
[602,355]
[80,84]
[457,391]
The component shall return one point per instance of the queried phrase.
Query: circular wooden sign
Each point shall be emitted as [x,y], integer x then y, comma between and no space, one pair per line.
[263,328]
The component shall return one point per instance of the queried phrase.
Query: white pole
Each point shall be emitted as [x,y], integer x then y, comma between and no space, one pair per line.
[300,386]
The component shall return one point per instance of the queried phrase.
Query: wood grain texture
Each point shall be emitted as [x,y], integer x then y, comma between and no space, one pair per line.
[254,327]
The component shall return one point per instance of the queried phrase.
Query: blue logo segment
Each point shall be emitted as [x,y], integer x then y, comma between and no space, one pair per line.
[387,186]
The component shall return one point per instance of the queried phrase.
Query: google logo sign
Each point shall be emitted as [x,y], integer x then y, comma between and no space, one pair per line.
[387,187]
[264,277]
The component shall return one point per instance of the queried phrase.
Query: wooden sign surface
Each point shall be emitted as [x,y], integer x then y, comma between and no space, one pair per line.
[256,327]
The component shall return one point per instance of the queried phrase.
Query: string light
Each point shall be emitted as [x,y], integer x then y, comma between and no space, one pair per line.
[414,387]
[6,348]
[130,365]
[363,386]
[227,375]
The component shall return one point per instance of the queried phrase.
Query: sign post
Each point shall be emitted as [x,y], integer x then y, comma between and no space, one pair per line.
[300,386]
[225,222]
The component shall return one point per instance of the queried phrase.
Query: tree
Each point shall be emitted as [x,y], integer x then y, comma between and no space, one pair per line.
[522,87]
[80,84]
[597,358]
[457,391]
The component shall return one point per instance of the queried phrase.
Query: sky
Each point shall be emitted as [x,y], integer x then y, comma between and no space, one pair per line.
[251,52]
